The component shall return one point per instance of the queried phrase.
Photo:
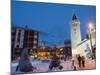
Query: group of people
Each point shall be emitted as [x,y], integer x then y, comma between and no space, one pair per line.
[55,63]
[81,61]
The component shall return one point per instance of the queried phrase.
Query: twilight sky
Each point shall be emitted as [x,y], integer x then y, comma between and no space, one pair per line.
[52,20]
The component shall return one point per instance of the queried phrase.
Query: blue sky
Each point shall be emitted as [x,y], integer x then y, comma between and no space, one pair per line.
[52,20]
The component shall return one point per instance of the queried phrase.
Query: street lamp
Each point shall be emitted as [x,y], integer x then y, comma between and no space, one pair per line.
[90,28]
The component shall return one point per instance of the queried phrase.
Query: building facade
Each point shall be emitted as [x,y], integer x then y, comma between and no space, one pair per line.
[88,45]
[23,38]
[65,50]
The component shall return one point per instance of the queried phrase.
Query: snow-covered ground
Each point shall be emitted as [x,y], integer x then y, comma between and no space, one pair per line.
[89,65]
[44,66]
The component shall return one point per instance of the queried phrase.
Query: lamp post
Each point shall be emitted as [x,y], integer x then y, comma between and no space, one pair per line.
[90,37]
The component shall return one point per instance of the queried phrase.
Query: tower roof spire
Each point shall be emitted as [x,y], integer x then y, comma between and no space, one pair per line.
[74,17]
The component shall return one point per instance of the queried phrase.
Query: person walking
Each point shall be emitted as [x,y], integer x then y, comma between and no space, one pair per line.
[83,61]
[79,61]
[73,64]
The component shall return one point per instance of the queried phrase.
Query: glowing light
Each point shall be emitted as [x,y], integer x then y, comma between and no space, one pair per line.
[75,51]
[61,49]
[90,26]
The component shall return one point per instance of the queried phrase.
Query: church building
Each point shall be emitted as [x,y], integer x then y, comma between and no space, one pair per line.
[85,47]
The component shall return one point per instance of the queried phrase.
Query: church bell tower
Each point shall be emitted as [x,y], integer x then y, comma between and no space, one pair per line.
[75,34]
